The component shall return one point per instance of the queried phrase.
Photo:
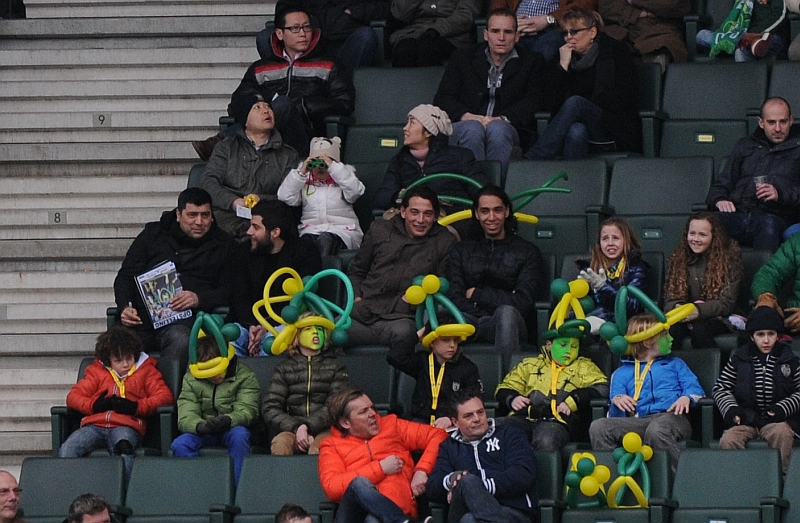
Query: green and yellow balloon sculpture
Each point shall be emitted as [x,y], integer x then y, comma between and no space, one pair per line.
[431,290]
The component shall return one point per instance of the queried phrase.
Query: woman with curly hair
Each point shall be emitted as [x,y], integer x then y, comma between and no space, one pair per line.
[705,269]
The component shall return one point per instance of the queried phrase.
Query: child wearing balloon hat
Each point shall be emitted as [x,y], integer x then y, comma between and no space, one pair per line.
[216,409]
[758,391]
[296,405]
[651,393]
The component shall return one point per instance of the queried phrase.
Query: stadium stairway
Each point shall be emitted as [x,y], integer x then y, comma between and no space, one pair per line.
[98,104]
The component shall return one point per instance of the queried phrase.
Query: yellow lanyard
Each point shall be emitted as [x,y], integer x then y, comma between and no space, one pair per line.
[436,385]
[121,382]
[638,379]
[618,271]
[555,371]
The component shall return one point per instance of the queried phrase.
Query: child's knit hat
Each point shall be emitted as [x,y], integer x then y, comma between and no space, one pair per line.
[764,319]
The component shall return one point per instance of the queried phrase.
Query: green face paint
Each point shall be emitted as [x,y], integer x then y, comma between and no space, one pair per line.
[312,337]
[665,344]
[565,350]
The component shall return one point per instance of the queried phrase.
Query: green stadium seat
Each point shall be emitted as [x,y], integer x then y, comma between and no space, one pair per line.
[706,365]
[50,485]
[649,104]
[791,490]
[195,175]
[369,370]
[371,175]
[656,195]
[550,484]
[783,82]
[181,490]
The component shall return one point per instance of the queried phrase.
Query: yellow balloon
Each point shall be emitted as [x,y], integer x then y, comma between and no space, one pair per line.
[647,452]
[415,295]
[430,284]
[632,442]
[589,486]
[292,286]
[579,456]
[601,473]
[579,288]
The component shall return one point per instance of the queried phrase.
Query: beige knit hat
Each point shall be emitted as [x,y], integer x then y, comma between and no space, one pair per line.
[433,119]
[326,146]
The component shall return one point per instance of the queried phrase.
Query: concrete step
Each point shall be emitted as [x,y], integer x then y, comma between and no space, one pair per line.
[112,120]
[117,200]
[59,215]
[49,323]
[25,443]
[30,73]
[66,232]
[29,410]
[126,57]
[88,251]
[99,294]
[39,423]
[118,88]
[115,135]
[47,350]
[38,168]
[48,281]
[64,311]
[218,103]
[126,186]
[126,8]
[97,152]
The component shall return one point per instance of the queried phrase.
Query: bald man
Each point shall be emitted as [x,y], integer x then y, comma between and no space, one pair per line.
[9,498]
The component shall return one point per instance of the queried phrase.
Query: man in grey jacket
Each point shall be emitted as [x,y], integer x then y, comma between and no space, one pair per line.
[252,163]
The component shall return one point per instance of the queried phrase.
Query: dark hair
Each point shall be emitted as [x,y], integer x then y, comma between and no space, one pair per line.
[276,215]
[280,17]
[502,11]
[117,342]
[193,195]
[424,192]
[339,405]
[460,397]
[207,348]
[510,224]
[290,511]
[87,504]
[774,99]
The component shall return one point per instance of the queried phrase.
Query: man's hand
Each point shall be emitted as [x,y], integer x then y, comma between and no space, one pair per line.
[391,465]
[520,402]
[257,333]
[184,300]
[238,202]
[418,483]
[130,317]
[726,206]
[443,423]
[304,439]
[532,25]
[563,408]
[767,192]
[470,292]
[681,406]
[792,321]
[624,403]
[452,480]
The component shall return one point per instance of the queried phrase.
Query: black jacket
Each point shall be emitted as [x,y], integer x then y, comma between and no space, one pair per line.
[201,264]
[463,88]
[757,156]
[611,84]
[442,158]
[503,272]
[318,85]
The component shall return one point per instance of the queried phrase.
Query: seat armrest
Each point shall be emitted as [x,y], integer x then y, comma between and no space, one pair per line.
[59,425]
[121,510]
[327,510]
[167,419]
[774,500]
[336,125]
[222,512]
[698,207]
[542,119]
[772,508]
[706,406]
[599,408]
[663,502]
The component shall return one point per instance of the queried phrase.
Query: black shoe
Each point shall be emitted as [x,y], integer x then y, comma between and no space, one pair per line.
[204,148]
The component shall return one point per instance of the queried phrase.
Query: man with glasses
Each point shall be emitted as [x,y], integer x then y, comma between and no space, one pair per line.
[301,85]
[491,91]
[9,498]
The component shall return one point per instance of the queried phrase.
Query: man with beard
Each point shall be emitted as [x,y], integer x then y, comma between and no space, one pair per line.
[274,244]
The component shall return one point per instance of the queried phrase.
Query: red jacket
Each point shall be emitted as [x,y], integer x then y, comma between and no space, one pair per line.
[145,385]
[343,458]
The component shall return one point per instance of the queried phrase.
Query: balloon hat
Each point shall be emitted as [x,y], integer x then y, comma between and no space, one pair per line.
[431,290]
[211,324]
[302,297]
[614,332]
[573,296]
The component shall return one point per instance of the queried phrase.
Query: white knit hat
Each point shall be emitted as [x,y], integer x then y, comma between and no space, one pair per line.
[433,119]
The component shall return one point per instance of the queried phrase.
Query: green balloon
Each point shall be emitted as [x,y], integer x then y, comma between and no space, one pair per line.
[609,330]
[618,345]
[559,287]
[290,314]
[230,331]
[618,453]
[444,285]
[587,304]
[339,337]
[572,479]
[585,467]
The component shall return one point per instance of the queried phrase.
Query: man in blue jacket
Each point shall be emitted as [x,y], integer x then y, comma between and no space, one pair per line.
[484,470]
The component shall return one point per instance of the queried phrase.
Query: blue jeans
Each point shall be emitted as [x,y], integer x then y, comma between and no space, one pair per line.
[236,440]
[505,328]
[362,502]
[472,503]
[493,142]
[791,231]
[705,39]
[756,230]
[172,341]
[547,43]
[358,50]
[569,132]
[91,437]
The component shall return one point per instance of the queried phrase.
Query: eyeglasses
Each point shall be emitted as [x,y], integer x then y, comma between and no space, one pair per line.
[7,491]
[297,28]
[574,32]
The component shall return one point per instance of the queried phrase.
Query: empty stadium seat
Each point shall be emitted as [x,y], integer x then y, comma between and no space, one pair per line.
[791,490]
[369,370]
[50,485]
[649,104]
[706,365]
[656,195]
[783,82]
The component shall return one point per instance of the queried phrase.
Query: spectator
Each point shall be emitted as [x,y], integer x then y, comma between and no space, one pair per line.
[9,498]
[366,465]
[430,31]
[301,386]
[326,189]
[750,40]
[292,513]
[651,394]
[757,193]
[217,410]
[496,279]
[273,244]
[252,162]
[593,90]
[301,85]
[552,418]
[188,237]
[492,91]
[615,261]
[758,392]
[485,472]
[705,269]
[781,271]
[119,390]
[653,29]
[394,252]
[425,151]
[90,508]
[438,374]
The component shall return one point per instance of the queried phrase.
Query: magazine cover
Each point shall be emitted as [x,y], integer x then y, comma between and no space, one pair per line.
[157,287]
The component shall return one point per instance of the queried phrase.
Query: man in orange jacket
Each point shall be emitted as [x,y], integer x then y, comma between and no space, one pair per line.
[366,465]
